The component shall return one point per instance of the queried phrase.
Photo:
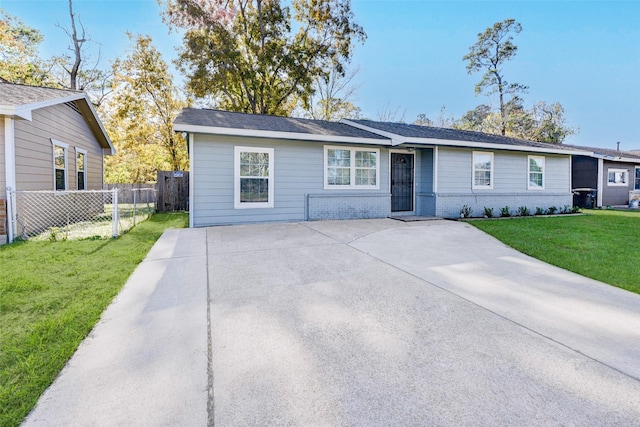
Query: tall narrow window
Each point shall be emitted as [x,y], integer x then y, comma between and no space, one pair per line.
[59,165]
[637,183]
[253,169]
[482,170]
[81,169]
[536,173]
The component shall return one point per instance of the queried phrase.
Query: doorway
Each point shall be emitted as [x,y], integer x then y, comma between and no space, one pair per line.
[402,182]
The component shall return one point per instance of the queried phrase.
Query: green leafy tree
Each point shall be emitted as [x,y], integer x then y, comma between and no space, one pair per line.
[19,59]
[139,116]
[258,56]
[493,48]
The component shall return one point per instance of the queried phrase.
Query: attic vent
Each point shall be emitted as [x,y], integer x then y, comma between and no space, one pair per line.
[73,106]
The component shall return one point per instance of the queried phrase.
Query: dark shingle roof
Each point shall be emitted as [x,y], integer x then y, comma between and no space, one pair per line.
[607,152]
[228,119]
[428,132]
[15,95]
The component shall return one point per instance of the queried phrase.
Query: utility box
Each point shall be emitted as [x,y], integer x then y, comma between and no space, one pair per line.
[634,199]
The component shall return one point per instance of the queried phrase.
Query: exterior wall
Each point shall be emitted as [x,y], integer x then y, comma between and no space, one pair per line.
[299,192]
[34,151]
[2,166]
[613,195]
[584,172]
[425,197]
[510,177]
[3,221]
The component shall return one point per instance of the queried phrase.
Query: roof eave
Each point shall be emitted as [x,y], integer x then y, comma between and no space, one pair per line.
[493,146]
[213,130]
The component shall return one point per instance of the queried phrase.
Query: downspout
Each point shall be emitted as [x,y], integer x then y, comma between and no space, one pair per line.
[10,170]
[600,182]
[190,138]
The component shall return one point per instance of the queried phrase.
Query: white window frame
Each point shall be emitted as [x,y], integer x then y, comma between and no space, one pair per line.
[531,186]
[84,153]
[473,171]
[635,173]
[236,173]
[65,147]
[352,168]
[616,184]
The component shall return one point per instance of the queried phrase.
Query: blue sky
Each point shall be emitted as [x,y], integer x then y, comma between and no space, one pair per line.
[583,54]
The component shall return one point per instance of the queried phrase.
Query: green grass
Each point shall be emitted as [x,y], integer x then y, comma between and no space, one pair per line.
[51,295]
[603,244]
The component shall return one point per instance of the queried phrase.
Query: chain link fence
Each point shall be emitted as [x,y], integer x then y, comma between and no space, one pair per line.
[74,215]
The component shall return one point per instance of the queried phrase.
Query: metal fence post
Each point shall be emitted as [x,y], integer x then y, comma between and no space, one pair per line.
[135,210]
[114,213]
[11,221]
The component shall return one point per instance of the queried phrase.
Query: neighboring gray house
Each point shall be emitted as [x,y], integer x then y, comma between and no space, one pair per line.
[50,139]
[612,174]
[254,168]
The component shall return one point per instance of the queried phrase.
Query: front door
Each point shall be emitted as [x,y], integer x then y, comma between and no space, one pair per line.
[401,182]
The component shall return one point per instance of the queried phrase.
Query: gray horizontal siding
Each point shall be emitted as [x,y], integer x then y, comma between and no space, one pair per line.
[3,184]
[616,195]
[34,151]
[510,172]
[298,173]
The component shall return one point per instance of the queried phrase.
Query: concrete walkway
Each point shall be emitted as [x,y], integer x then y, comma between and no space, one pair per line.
[369,322]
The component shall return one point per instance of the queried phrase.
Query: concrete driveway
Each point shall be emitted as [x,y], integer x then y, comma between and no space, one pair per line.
[367,322]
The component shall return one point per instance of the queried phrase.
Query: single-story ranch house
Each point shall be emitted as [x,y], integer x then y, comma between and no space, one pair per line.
[50,139]
[255,168]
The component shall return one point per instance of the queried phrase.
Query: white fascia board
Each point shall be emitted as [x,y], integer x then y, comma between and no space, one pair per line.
[15,112]
[277,134]
[395,138]
[99,122]
[24,111]
[620,159]
[490,146]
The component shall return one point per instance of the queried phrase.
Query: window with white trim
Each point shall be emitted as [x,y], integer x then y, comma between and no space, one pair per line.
[482,170]
[253,172]
[536,173]
[351,168]
[81,169]
[59,165]
[637,180]
[617,177]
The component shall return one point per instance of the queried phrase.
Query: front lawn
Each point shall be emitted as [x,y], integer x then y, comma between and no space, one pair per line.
[603,244]
[51,295]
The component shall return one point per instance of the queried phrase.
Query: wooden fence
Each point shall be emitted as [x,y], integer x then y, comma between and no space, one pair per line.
[173,191]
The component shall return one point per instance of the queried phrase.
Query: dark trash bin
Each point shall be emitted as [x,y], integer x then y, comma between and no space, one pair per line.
[585,197]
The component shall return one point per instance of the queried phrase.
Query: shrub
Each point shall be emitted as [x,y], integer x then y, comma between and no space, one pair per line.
[566,209]
[523,211]
[552,210]
[465,212]
[505,212]
[539,211]
[575,209]
[488,212]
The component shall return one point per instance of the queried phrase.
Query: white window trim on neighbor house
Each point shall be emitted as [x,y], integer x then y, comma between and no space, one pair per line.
[636,185]
[237,203]
[530,184]
[625,174]
[473,171]
[84,167]
[352,168]
[65,147]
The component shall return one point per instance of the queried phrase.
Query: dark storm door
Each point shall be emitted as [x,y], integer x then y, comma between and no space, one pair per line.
[401,182]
